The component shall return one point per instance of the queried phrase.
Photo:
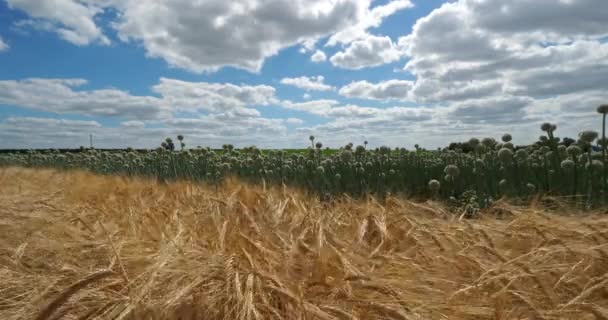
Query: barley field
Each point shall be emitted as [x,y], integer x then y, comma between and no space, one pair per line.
[75,245]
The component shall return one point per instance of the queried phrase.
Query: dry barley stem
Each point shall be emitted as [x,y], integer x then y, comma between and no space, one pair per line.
[248,253]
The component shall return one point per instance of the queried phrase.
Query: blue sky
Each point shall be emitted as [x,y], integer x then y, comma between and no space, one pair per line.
[272,72]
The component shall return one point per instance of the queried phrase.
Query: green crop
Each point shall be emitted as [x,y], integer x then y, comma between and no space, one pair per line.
[491,170]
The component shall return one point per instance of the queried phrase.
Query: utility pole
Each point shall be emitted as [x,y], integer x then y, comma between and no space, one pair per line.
[91,140]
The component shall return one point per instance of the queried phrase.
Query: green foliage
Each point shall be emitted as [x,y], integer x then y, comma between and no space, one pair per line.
[486,171]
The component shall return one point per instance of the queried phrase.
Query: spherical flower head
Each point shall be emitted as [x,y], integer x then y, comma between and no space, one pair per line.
[452,170]
[225,166]
[318,145]
[488,142]
[561,149]
[346,155]
[521,154]
[595,165]
[473,142]
[603,109]
[180,137]
[320,170]
[508,145]
[505,155]
[434,186]
[360,150]
[546,127]
[311,138]
[385,150]
[567,165]
[588,136]
[507,137]
[543,138]
[392,172]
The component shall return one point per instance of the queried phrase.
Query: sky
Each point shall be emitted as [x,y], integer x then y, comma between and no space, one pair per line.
[271,73]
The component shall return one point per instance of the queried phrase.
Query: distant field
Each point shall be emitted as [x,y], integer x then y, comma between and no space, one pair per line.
[80,246]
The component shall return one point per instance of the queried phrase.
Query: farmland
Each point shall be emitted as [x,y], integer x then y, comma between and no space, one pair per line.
[77,245]
[483,229]
[471,174]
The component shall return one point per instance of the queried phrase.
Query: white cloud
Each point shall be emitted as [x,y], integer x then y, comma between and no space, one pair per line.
[74,21]
[29,132]
[318,56]
[379,126]
[207,35]
[294,121]
[214,97]
[60,96]
[334,109]
[204,36]
[318,107]
[373,19]
[133,124]
[306,96]
[474,49]
[384,91]
[369,52]
[3,45]
[308,83]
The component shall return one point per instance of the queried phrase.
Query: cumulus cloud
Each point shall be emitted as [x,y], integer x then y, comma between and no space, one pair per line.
[372,20]
[133,124]
[30,132]
[473,49]
[334,109]
[294,121]
[214,97]
[385,90]
[308,83]
[318,56]
[318,107]
[61,96]
[73,21]
[368,52]
[378,125]
[240,33]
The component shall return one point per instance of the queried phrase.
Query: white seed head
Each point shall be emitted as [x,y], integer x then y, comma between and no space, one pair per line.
[452,170]
[434,185]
